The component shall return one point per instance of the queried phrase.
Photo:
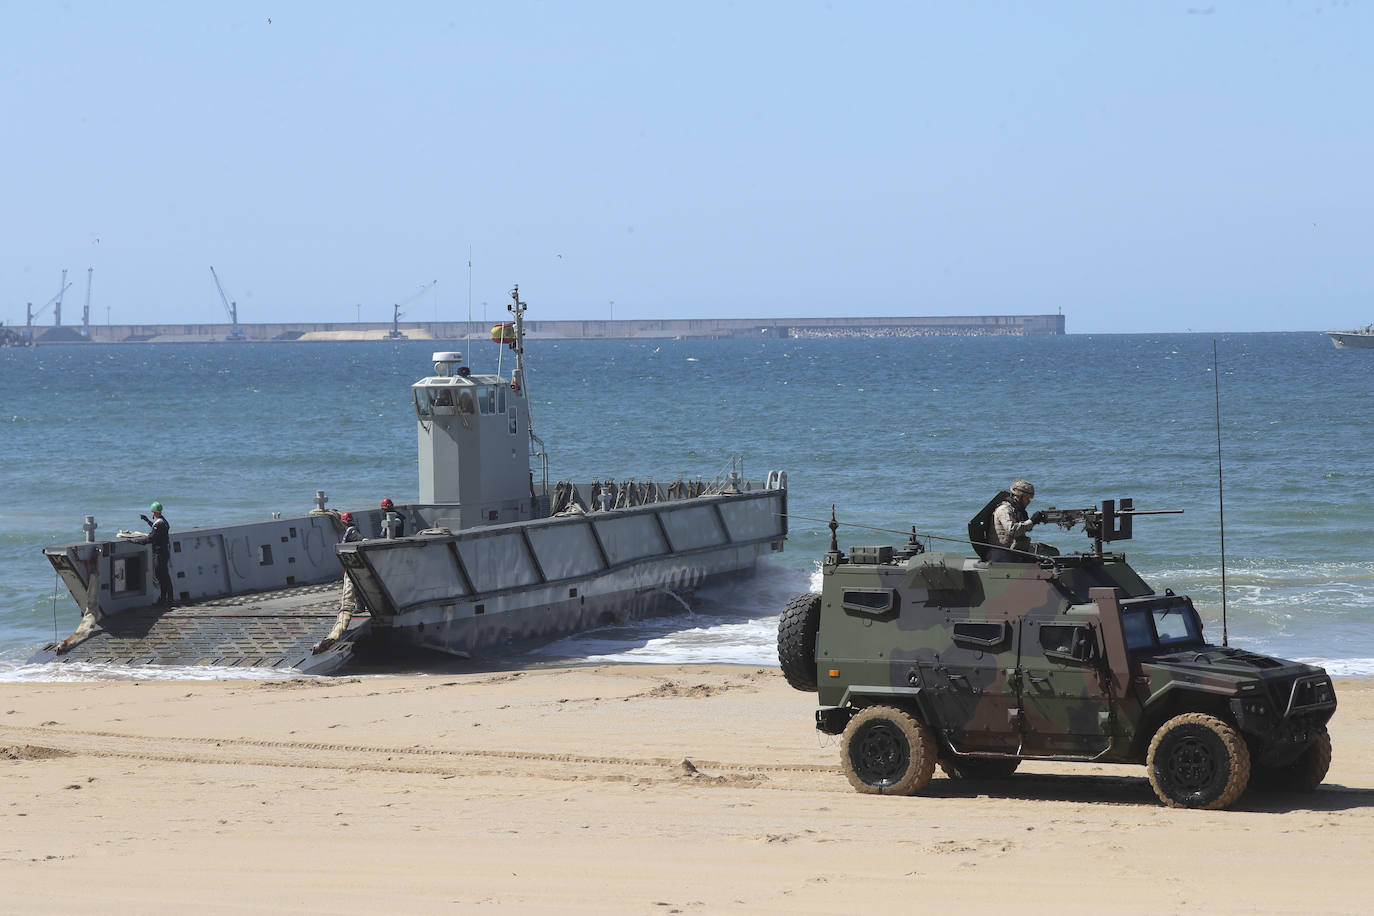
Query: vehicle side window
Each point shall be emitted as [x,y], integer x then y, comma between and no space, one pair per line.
[870,602]
[981,635]
[873,601]
[1070,641]
[1176,625]
[1136,626]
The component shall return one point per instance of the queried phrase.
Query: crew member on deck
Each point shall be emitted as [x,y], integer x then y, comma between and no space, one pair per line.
[159,538]
[349,600]
[392,522]
[1011,523]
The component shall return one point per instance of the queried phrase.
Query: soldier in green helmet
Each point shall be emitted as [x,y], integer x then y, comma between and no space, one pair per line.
[159,537]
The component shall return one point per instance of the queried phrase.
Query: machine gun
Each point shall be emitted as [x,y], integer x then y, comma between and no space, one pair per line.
[1107,522]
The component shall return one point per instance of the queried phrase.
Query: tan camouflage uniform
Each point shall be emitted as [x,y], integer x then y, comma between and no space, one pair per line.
[1011,531]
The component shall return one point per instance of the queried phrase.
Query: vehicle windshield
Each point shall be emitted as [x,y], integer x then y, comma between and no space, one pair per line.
[1166,625]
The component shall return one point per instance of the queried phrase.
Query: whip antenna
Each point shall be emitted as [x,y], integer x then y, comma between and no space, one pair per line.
[1221,501]
[467,340]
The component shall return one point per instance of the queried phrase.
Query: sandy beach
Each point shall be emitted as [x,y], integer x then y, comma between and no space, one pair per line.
[624,789]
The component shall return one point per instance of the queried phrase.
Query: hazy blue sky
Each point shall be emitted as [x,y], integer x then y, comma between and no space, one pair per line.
[1158,166]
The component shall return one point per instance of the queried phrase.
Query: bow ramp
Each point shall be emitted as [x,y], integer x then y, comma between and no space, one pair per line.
[299,628]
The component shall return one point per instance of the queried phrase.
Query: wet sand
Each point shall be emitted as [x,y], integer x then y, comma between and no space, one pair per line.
[625,789]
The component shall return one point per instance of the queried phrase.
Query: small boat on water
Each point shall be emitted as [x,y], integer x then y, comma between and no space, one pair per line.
[490,557]
[1358,339]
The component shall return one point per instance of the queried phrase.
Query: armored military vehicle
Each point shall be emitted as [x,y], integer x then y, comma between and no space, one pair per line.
[921,658]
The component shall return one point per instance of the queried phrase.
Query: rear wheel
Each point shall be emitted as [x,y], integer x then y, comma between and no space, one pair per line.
[979,767]
[797,629]
[886,751]
[1198,761]
[1303,774]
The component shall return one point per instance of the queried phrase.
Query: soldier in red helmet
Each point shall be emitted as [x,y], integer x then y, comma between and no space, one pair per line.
[349,599]
[393,524]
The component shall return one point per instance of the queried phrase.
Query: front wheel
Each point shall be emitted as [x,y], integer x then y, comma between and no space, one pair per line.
[886,751]
[1198,761]
[1303,774]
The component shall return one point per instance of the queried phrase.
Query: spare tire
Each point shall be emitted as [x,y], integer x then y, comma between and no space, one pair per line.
[797,629]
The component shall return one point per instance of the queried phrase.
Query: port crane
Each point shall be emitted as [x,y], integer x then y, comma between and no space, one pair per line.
[86,309]
[396,312]
[230,308]
[28,324]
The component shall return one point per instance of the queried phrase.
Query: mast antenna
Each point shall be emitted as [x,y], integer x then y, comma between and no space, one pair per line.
[1221,501]
[467,337]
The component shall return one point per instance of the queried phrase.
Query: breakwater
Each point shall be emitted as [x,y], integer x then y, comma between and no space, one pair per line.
[625,328]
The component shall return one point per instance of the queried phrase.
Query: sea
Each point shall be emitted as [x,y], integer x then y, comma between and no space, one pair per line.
[1263,440]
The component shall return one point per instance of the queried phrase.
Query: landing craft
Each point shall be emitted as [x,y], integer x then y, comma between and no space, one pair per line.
[491,555]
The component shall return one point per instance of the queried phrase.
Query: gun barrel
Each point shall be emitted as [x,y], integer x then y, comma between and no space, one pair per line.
[1149,511]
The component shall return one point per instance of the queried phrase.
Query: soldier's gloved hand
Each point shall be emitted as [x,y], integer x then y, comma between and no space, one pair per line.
[146,520]
[1038,517]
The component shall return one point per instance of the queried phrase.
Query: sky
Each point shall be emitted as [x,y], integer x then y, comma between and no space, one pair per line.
[1143,167]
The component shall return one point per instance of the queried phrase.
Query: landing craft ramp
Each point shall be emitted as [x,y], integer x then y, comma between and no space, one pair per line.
[259,594]
[271,629]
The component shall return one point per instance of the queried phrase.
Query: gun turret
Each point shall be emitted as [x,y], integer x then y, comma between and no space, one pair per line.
[1107,522]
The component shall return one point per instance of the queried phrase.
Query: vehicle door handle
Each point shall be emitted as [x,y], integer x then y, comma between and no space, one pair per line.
[1034,679]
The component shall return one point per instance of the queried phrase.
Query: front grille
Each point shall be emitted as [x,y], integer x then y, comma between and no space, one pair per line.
[1310,693]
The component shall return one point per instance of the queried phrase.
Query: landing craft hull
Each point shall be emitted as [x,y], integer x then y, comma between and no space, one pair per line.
[266,594]
[474,591]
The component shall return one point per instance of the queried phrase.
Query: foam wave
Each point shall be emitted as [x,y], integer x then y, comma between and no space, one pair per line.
[1344,667]
[80,672]
[734,623]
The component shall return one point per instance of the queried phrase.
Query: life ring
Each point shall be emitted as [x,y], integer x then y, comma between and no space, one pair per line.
[515,384]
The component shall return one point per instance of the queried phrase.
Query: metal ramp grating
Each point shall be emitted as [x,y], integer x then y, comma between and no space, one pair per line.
[264,630]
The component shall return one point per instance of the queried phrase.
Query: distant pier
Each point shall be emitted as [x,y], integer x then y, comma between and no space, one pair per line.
[607,329]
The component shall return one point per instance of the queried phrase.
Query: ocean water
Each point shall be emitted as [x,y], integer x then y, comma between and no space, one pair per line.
[893,433]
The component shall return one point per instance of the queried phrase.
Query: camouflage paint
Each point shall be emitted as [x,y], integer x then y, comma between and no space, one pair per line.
[1032,660]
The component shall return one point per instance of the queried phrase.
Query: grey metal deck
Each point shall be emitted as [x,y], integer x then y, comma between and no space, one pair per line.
[274,629]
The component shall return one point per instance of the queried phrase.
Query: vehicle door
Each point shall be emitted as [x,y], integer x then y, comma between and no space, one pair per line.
[1065,704]
[970,684]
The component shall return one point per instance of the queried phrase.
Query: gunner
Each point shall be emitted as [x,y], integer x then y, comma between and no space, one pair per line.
[1012,523]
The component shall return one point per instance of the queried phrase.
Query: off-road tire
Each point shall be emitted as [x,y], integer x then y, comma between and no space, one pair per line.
[1303,774]
[797,629]
[1198,761]
[886,751]
[979,767]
